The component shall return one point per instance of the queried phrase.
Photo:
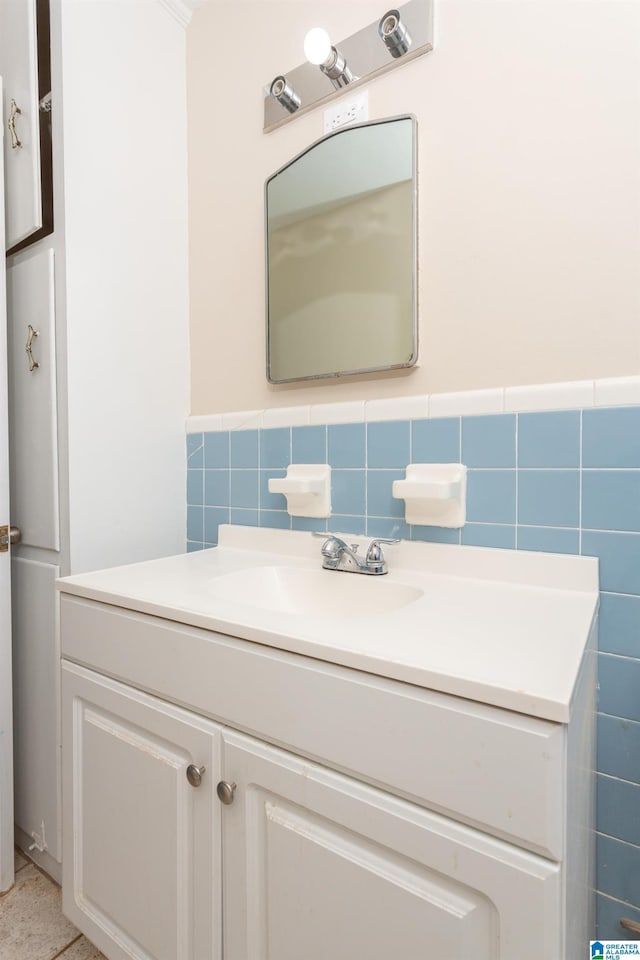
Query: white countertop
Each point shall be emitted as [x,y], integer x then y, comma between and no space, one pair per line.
[497,626]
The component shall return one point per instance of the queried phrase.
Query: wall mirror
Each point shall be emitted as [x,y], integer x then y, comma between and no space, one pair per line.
[341,250]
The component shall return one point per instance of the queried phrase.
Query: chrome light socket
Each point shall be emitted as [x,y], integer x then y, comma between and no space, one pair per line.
[284,93]
[335,67]
[394,34]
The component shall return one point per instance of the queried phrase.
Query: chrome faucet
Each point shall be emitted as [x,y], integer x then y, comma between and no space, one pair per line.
[338,555]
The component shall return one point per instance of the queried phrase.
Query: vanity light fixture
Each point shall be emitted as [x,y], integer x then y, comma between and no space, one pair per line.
[285,95]
[319,50]
[394,34]
[402,34]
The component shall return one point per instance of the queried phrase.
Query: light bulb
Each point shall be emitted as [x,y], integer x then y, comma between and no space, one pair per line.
[317,45]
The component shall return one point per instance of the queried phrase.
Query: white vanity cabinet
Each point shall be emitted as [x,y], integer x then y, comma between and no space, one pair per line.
[358,815]
[142,845]
[314,863]
[317,865]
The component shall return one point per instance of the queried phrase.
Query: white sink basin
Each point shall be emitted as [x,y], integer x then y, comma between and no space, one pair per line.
[317,592]
[469,621]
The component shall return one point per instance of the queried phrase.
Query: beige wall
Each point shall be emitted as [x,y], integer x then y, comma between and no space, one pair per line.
[529,164]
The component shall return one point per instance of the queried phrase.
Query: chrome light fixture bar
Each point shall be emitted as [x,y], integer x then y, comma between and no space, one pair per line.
[400,35]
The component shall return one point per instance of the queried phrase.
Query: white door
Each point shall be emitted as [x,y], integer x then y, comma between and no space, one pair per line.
[318,865]
[6,712]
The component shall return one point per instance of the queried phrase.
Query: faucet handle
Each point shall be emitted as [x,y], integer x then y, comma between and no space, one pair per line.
[332,545]
[374,552]
[324,535]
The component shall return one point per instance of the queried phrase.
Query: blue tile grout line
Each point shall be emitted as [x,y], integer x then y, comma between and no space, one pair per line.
[613,716]
[618,656]
[623,903]
[573,476]
[615,593]
[609,776]
[610,836]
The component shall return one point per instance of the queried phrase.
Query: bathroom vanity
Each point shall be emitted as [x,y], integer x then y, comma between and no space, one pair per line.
[264,759]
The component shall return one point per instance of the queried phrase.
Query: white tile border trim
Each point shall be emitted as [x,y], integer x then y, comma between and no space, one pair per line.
[349,412]
[397,408]
[205,423]
[617,391]
[550,396]
[469,403]
[286,417]
[242,420]
[575,395]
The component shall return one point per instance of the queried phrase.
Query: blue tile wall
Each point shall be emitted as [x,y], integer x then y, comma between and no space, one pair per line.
[549,498]
[347,445]
[611,438]
[489,441]
[619,624]
[618,747]
[348,491]
[389,444]
[619,808]
[491,496]
[548,539]
[244,449]
[549,439]
[309,445]
[611,500]
[562,482]
[213,451]
[436,441]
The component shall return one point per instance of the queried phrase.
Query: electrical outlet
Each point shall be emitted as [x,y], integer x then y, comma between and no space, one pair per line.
[354,109]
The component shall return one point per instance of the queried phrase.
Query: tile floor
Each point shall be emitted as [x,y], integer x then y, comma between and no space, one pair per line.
[32,926]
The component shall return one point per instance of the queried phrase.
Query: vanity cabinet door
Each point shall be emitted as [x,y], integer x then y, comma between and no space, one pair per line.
[317,865]
[33,428]
[21,110]
[141,847]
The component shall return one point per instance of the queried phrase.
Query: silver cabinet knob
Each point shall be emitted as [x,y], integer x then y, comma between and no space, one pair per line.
[226,791]
[194,774]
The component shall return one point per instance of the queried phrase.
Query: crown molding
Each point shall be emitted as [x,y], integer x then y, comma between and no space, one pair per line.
[181,10]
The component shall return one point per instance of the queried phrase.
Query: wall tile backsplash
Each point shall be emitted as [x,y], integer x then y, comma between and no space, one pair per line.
[565,481]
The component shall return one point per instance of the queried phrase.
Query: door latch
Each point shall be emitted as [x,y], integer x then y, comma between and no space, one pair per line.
[8,535]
